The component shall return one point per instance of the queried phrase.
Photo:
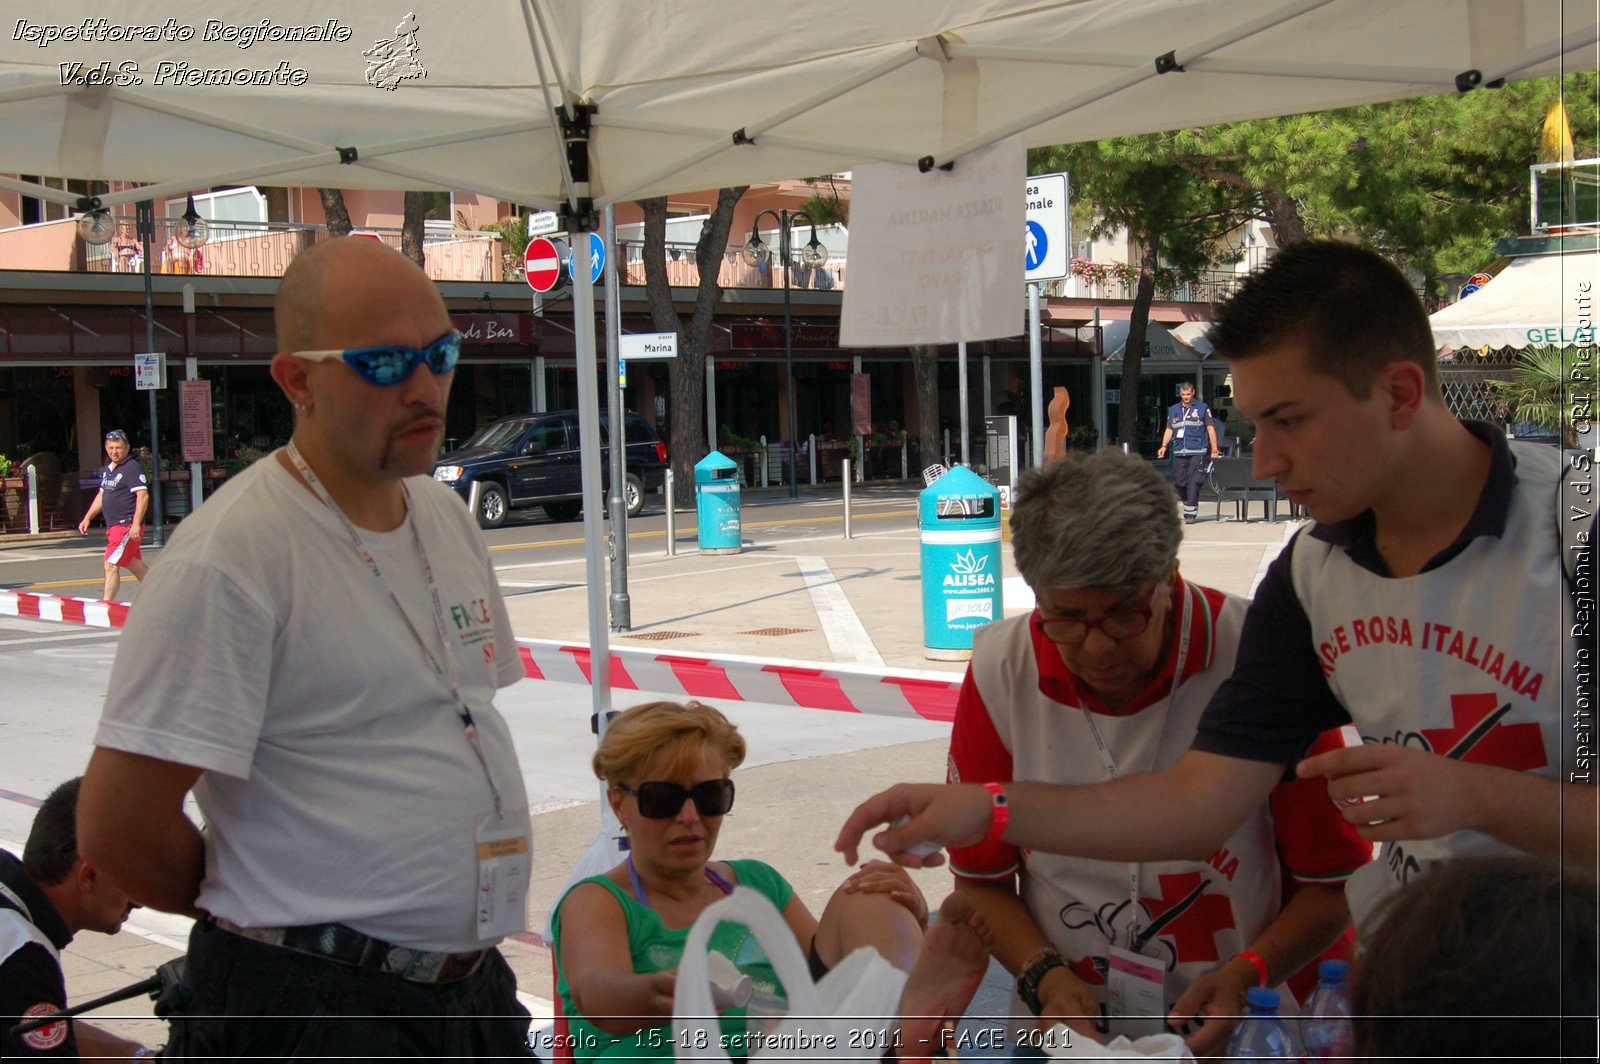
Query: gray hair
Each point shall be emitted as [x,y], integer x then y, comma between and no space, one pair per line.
[1105,519]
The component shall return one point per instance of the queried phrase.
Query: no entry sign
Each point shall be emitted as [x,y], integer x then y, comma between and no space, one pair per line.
[542,262]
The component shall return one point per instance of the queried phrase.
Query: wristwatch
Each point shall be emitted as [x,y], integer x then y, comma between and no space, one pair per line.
[1032,975]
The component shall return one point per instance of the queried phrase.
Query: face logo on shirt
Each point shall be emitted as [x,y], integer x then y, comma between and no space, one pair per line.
[43,1039]
[471,614]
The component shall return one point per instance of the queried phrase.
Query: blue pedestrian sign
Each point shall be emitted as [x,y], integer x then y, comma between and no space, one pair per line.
[1045,243]
[597,258]
[1037,242]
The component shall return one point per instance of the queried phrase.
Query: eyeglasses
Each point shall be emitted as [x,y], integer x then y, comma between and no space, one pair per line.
[118,435]
[663,800]
[395,365]
[1123,624]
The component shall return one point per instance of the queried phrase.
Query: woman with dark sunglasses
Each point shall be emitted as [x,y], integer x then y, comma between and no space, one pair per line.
[619,936]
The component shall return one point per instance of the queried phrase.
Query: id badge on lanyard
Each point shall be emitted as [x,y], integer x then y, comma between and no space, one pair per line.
[505,861]
[1136,975]
[1136,992]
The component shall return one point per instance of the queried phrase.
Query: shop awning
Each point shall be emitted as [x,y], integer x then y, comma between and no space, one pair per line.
[1538,300]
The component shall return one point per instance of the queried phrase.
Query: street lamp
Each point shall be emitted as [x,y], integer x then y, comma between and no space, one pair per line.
[95,226]
[812,256]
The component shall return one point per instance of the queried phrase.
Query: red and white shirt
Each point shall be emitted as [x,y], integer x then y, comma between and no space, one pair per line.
[1021,715]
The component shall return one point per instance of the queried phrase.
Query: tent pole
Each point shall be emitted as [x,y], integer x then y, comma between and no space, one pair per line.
[589,449]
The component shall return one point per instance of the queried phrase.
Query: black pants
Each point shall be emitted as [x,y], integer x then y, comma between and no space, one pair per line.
[1187,477]
[255,1001]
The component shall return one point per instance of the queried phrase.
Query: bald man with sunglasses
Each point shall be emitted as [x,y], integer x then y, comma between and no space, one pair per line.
[317,660]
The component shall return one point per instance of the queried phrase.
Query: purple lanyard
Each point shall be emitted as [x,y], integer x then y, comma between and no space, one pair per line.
[643,898]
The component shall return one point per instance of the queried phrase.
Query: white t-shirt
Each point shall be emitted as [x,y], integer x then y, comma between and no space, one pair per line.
[338,782]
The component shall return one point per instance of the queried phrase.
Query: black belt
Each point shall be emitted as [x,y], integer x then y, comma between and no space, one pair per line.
[345,945]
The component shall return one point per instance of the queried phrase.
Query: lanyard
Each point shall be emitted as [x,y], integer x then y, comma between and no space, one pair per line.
[446,671]
[1110,763]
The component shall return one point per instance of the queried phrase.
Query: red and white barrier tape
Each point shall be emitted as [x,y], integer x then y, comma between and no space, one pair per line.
[95,613]
[930,696]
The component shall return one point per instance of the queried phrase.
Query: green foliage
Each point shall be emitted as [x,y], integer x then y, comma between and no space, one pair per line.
[827,208]
[514,231]
[732,441]
[1537,390]
[5,466]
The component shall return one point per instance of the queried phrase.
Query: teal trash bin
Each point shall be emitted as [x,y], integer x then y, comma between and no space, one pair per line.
[716,489]
[959,518]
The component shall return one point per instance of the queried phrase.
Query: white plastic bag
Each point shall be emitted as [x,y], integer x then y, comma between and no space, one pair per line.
[1150,1047]
[851,1013]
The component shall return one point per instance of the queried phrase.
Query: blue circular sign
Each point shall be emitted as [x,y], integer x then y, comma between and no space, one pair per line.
[597,258]
[1036,245]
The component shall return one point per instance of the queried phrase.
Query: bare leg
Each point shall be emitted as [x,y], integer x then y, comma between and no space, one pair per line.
[954,957]
[853,920]
[113,581]
[138,568]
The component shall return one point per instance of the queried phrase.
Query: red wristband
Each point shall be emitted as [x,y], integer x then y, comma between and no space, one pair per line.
[1257,963]
[999,812]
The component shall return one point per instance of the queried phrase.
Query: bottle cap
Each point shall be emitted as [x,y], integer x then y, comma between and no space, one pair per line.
[1332,972]
[1262,999]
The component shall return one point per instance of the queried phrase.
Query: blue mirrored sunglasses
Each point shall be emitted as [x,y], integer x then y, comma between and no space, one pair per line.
[394,365]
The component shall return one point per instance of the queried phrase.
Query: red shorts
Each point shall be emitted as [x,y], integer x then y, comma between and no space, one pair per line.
[122,548]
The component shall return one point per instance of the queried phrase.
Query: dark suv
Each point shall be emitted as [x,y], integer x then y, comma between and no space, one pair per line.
[532,460]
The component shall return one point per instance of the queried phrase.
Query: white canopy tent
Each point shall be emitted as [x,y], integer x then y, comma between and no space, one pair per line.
[1536,301]
[689,94]
[581,103]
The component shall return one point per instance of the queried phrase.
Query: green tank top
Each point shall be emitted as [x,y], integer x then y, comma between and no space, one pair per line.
[656,948]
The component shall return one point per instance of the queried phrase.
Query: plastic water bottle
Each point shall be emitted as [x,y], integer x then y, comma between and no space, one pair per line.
[1327,1027]
[1263,1035]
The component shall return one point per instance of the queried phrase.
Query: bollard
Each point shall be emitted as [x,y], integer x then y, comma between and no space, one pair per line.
[672,518]
[763,461]
[33,499]
[903,467]
[846,471]
[812,450]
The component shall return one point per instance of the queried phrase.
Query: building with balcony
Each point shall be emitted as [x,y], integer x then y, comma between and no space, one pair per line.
[72,317]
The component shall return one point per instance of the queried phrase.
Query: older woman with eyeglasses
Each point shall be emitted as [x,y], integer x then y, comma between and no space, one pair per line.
[619,936]
[1108,677]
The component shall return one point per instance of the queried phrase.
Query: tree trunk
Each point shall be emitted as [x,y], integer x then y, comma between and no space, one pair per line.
[925,369]
[338,215]
[687,442]
[411,228]
[1284,214]
[1133,351]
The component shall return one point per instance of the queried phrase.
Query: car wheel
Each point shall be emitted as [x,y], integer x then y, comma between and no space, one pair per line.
[563,511]
[492,506]
[633,494]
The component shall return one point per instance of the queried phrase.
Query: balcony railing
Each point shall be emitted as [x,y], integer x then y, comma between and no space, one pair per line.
[732,272]
[265,249]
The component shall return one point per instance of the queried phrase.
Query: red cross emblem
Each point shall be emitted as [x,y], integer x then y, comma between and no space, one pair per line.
[1479,737]
[1192,927]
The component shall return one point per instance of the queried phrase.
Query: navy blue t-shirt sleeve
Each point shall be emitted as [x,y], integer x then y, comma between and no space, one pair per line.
[1277,701]
[28,978]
